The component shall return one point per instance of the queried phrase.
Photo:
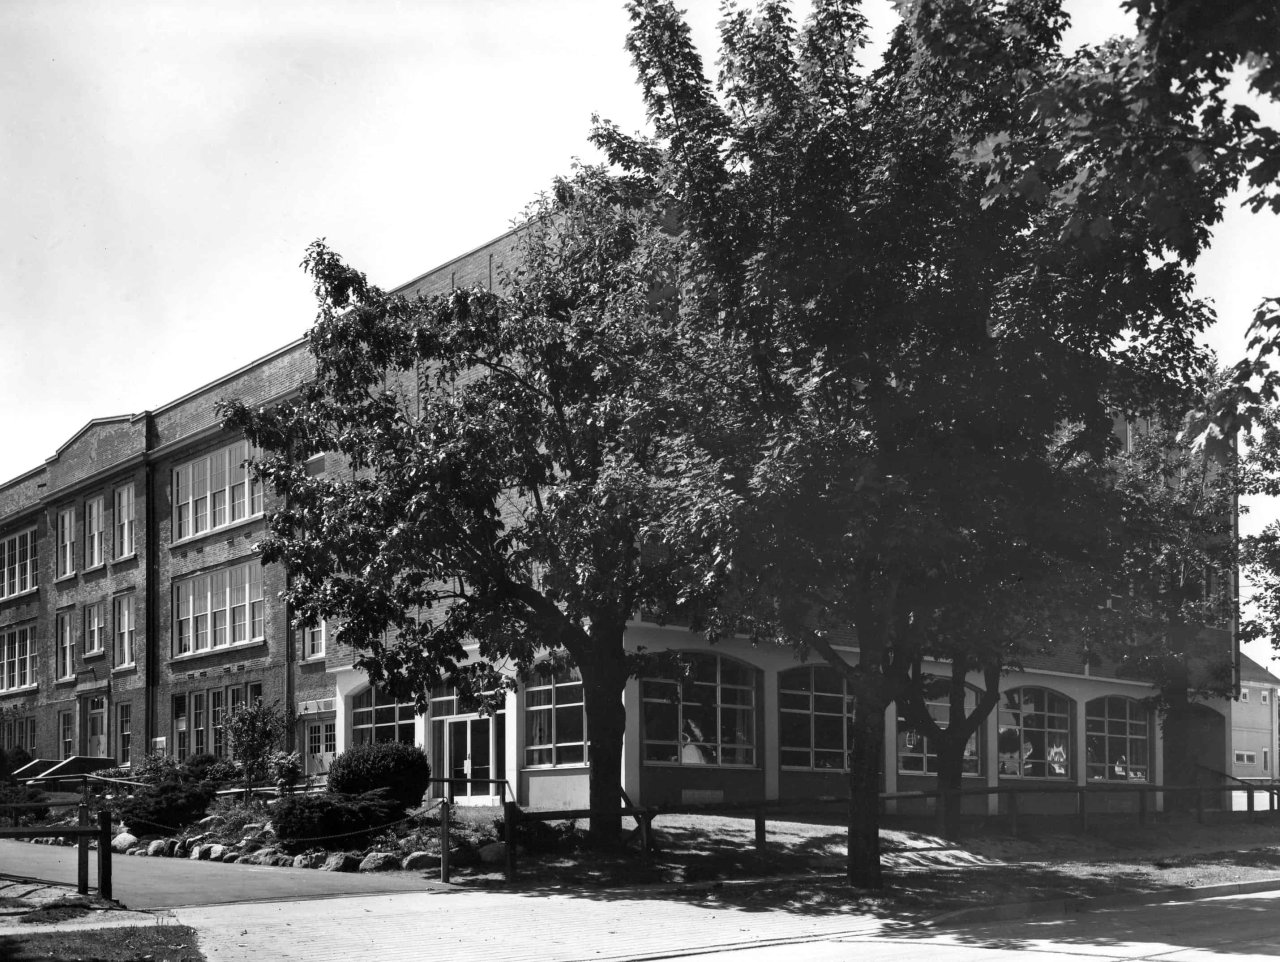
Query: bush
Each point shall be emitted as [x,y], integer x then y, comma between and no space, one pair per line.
[14,794]
[208,768]
[331,820]
[285,768]
[154,767]
[11,761]
[401,769]
[165,807]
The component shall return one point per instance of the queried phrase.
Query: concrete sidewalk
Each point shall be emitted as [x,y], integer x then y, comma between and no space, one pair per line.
[499,927]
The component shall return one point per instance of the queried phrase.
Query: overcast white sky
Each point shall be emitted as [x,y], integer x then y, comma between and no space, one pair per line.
[166,163]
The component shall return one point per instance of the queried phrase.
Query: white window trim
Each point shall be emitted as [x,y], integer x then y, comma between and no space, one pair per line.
[123,523]
[552,708]
[124,630]
[233,577]
[95,538]
[65,645]
[315,653]
[9,563]
[228,464]
[1246,758]
[753,706]
[100,648]
[65,541]
[9,636]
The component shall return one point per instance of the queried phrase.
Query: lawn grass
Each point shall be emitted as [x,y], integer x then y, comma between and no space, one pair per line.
[152,943]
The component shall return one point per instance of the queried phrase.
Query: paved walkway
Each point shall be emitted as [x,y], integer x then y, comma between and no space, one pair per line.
[498,927]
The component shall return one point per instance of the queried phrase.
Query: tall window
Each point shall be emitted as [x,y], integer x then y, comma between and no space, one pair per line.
[218,715]
[707,718]
[217,609]
[66,542]
[376,717]
[124,629]
[124,734]
[18,657]
[313,641]
[815,719]
[197,723]
[555,720]
[215,490]
[66,645]
[1116,739]
[1035,734]
[915,752]
[95,532]
[18,567]
[181,736]
[124,521]
[95,627]
[66,734]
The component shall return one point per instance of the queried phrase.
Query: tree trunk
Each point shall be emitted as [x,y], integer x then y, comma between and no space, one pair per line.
[950,771]
[604,679]
[864,796]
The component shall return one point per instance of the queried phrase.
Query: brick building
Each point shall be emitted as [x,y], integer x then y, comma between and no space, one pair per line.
[134,612]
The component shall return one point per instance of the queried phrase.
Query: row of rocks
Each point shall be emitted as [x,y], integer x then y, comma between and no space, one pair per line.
[252,852]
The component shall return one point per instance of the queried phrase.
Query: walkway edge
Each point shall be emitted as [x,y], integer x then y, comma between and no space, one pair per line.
[1054,908]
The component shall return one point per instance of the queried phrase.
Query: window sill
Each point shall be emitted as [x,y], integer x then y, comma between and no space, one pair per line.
[25,689]
[313,660]
[131,556]
[121,669]
[69,576]
[63,682]
[20,594]
[214,532]
[96,653]
[703,768]
[567,766]
[92,568]
[205,653]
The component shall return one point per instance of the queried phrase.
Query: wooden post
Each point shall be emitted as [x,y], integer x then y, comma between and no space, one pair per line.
[444,841]
[760,830]
[82,850]
[1142,806]
[1013,814]
[104,854]
[1249,804]
[1083,804]
[509,815]
[644,819]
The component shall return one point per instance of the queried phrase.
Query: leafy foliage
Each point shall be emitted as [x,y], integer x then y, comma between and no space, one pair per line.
[253,731]
[165,807]
[331,820]
[401,770]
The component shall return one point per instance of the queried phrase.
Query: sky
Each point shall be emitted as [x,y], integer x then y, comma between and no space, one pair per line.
[167,162]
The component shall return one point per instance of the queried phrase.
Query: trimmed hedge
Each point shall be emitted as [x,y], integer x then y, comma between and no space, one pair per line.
[400,769]
[165,807]
[331,820]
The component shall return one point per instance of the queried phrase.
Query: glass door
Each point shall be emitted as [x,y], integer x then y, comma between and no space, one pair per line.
[97,727]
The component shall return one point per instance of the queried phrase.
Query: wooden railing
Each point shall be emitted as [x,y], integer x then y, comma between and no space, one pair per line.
[83,832]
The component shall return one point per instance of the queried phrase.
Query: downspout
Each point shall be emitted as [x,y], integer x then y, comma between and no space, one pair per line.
[152,582]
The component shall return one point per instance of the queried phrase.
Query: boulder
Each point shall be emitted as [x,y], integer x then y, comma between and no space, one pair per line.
[156,849]
[420,862]
[262,856]
[252,829]
[170,847]
[494,853]
[123,842]
[282,861]
[380,862]
[209,820]
[181,849]
[311,860]
[341,862]
[229,858]
[200,853]
[217,853]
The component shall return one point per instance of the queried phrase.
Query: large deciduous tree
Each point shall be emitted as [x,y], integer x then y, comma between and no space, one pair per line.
[929,303]
[520,478]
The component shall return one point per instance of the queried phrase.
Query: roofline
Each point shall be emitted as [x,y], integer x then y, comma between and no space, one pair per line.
[453,260]
[232,375]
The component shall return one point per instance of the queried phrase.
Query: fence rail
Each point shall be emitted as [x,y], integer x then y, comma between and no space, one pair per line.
[83,832]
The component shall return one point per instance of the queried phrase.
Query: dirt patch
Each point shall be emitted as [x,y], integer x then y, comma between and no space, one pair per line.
[163,943]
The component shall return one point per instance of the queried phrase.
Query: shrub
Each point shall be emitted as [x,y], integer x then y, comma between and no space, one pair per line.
[331,820]
[208,768]
[154,767]
[14,794]
[11,761]
[286,768]
[165,807]
[252,733]
[401,769]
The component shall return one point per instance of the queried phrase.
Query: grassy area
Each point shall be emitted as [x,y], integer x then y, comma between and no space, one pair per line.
[152,943]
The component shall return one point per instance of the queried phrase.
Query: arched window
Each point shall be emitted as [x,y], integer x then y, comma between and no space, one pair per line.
[1117,746]
[917,756]
[1035,734]
[815,719]
[377,717]
[706,718]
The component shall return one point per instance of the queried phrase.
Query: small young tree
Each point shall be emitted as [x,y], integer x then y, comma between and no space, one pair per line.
[254,730]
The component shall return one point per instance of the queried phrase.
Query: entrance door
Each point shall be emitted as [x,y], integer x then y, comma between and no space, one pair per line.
[322,743]
[468,750]
[97,731]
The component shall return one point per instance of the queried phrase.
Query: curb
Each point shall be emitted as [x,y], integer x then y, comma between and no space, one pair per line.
[1056,908]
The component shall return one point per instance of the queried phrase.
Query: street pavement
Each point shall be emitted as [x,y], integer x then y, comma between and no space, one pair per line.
[330,917]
